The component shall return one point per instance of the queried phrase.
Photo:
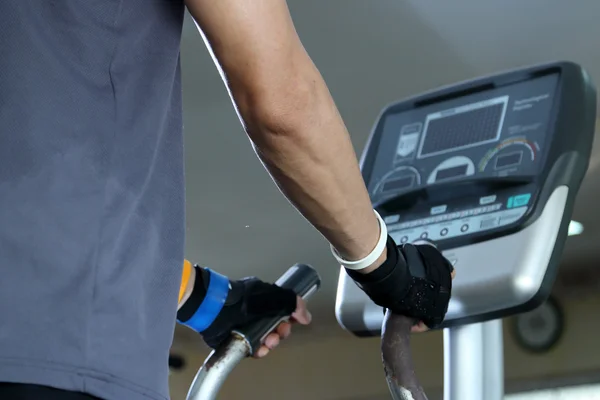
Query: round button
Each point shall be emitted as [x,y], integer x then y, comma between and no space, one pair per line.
[424,235]
[444,232]
[464,228]
[404,239]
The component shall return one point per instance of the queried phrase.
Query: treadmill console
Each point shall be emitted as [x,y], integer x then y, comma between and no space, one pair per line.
[457,143]
[482,169]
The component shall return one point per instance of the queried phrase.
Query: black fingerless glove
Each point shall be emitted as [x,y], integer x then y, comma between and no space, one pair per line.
[415,281]
[244,302]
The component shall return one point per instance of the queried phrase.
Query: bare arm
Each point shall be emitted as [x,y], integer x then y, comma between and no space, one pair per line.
[290,117]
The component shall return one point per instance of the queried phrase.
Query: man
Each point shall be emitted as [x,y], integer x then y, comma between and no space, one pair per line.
[92,191]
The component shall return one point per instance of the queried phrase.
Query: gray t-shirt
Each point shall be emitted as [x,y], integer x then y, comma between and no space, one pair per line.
[91,193]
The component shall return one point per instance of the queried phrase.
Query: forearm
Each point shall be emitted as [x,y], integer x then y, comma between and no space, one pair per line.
[291,118]
[308,152]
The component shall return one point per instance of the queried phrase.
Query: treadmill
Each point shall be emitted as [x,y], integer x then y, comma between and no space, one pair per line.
[487,170]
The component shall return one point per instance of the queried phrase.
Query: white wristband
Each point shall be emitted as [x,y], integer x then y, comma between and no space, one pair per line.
[373,255]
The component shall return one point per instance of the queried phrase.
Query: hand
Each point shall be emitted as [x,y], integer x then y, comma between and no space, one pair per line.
[420,326]
[250,300]
[415,280]
[284,330]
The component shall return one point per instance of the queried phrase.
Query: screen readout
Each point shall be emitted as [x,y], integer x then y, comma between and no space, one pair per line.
[463,127]
[508,160]
[451,172]
[398,183]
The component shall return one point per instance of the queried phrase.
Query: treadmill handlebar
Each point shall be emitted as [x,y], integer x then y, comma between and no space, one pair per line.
[397,358]
[244,342]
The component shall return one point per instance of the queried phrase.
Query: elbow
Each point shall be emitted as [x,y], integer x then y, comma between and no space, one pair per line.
[280,111]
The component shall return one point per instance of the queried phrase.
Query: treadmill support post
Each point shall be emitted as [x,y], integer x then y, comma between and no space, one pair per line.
[474,362]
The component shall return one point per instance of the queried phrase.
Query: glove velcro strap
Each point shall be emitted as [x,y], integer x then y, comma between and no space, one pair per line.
[211,305]
[390,282]
[388,290]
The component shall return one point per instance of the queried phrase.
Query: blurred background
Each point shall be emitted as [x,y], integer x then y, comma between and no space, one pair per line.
[372,53]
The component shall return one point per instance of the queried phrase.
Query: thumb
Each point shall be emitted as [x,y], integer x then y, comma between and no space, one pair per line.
[301,315]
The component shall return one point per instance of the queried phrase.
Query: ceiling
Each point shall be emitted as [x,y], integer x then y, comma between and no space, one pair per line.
[370,53]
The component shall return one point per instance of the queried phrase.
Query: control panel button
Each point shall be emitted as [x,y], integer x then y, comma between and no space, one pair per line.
[444,232]
[487,200]
[439,209]
[424,235]
[404,239]
[464,228]
[519,200]
[391,219]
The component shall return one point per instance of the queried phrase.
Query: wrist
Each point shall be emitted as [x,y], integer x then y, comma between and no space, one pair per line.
[376,253]
[206,300]
[392,256]
[378,263]
[363,239]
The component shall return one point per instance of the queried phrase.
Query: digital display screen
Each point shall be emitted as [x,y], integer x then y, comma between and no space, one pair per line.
[509,160]
[489,133]
[397,184]
[461,127]
[451,172]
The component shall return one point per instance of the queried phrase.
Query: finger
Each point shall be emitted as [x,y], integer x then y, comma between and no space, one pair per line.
[284,330]
[272,341]
[262,352]
[419,327]
[301,315]
[453,273]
